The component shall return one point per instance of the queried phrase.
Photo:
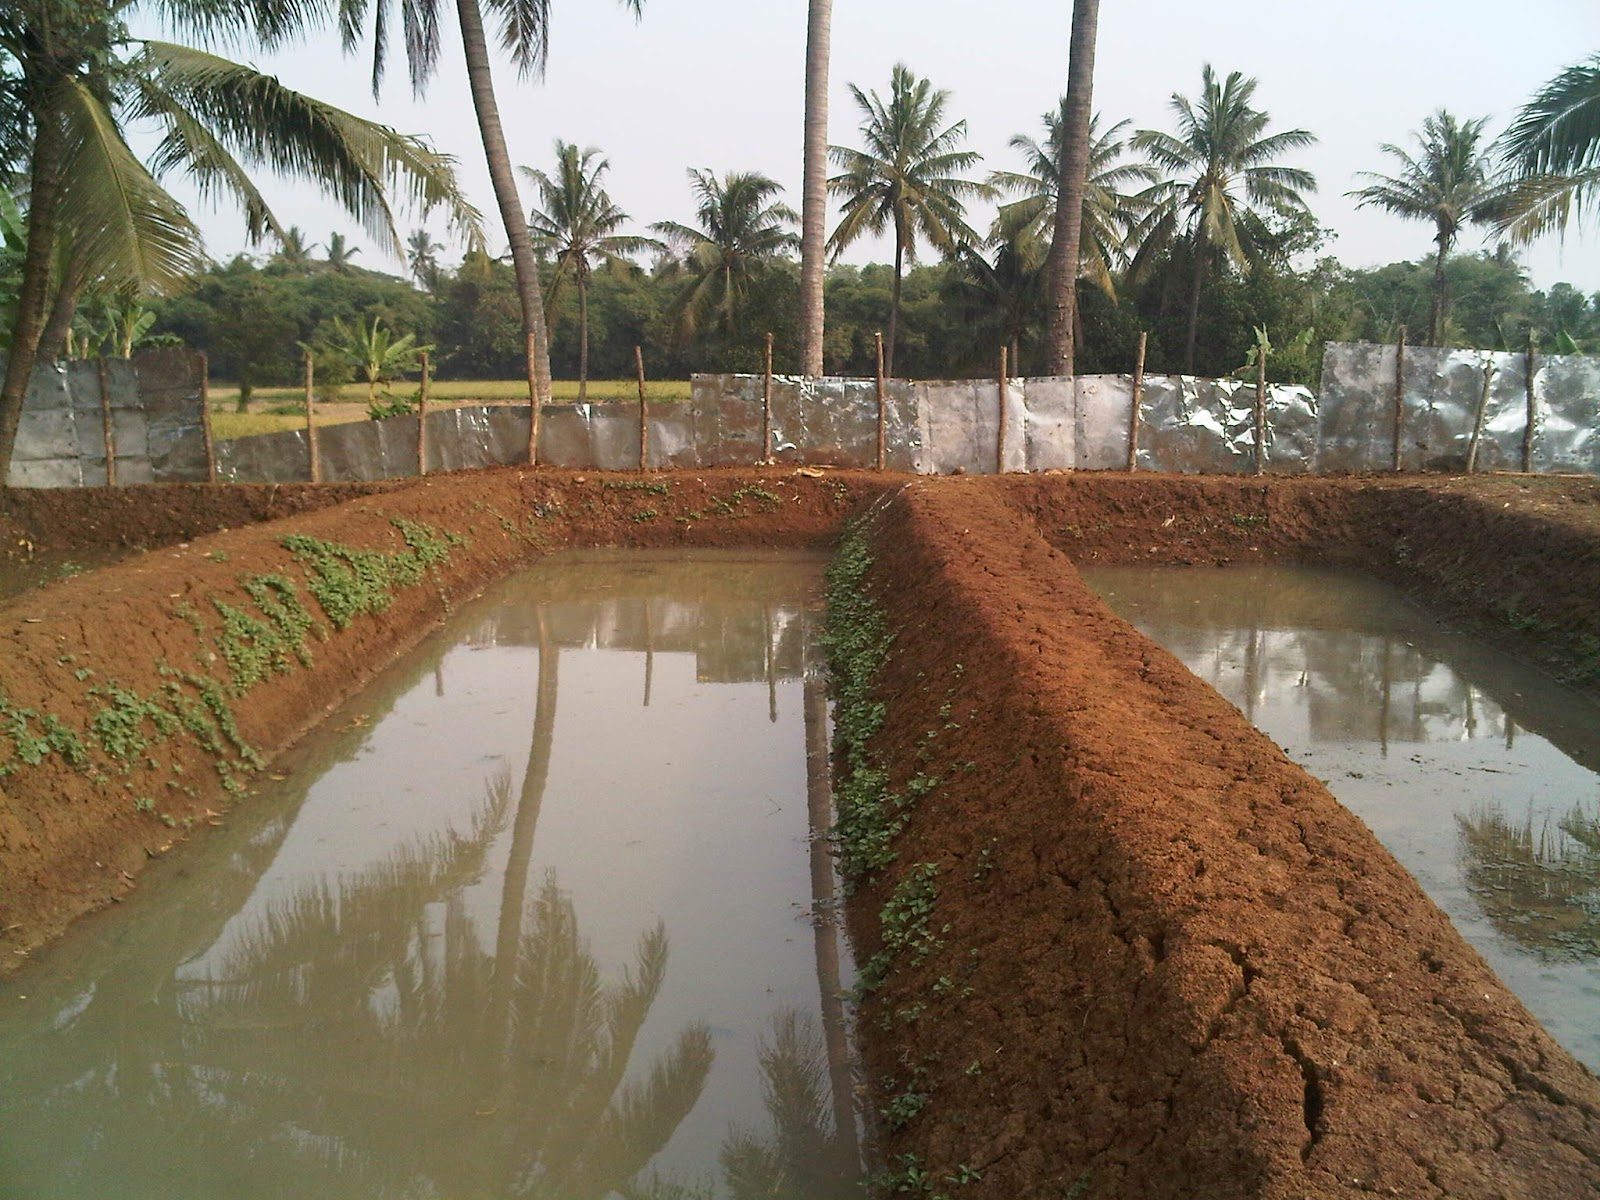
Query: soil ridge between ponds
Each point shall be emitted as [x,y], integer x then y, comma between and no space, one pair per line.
[1161,959]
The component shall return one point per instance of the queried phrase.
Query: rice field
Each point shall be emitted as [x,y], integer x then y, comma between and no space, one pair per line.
[275,409]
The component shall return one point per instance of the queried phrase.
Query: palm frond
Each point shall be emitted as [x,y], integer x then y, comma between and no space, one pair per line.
[1558,131]
[116,214]
[353,160]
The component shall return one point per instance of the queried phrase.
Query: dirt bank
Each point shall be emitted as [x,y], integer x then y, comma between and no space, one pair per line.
[1161,960]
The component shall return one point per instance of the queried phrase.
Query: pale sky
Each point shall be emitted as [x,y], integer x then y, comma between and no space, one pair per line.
[718,83]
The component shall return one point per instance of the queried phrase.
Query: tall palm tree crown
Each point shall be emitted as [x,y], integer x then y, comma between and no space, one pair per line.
[578,225]
[1449,182]
[1218,167]
[908,180]
[1107,209]
[72,78]
[1554,146]
[740,230]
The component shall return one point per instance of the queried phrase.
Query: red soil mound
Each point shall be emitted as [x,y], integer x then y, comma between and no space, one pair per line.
[1172,964]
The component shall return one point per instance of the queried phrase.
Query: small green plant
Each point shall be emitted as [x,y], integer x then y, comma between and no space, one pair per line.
[905,925]
[348,582]
[644,514]
[1250,520]
[901,1110]
[656,487]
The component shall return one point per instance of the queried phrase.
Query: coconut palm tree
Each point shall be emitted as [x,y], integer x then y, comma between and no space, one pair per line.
[294,252]
[1107,208]
[422,256]
[1554,147]
[578,225]
[741,229]
[1450,182]
[1008,287]
[814,188]
[907,180]
[1074,152]
[76,78]
[1216,169]
[340,252]
[524,28]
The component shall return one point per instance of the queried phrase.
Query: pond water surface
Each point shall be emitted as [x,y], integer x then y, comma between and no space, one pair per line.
[539,913]
[1477,772]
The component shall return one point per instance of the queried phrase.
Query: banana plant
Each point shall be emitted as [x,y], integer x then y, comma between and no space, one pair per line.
[378,356]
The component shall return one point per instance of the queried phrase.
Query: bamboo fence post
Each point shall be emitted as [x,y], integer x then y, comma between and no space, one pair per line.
[766,406]
[105,421]
[1477,420]
[533,404]
[883,430]
[1133,408]
[311,422]
[1261,408]
[1527,432]
[1399,396]
[644,416]
[205,419]
[1000,431]
[422,418]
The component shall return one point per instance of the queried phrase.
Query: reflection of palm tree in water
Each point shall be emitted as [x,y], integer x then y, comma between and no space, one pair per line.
[804,1155]
[1540,886]
[509,1067]
[362,1033]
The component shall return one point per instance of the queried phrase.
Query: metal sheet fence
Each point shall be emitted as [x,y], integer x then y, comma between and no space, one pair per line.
[930,427]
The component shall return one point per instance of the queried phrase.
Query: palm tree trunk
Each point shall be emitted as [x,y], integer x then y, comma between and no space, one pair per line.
[894,303]
[1436,312]
[814,196]
[583,335]
[1060,350]
[62,309]
[523,261]
[514,887]
[1194,308]
[44,193]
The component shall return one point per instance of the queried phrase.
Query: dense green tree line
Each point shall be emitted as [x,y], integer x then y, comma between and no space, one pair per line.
[252,319]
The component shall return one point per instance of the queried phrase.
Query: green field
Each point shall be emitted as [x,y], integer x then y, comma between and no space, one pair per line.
[275,409]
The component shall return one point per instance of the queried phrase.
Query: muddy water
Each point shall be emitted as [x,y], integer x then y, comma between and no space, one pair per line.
[1477,772]
[538,914]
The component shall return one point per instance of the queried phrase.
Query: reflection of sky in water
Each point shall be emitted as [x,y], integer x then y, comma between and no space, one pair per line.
[313,1003]
[1476,771]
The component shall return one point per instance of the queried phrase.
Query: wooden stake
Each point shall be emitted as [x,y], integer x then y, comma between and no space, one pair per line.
[105,421]
[1138,399]
[644,416]
[883,423]
[1004,411]
[1477,421]
[766,408]
[205,419]
[1527,432]
[422,418]
[1399,397]
[1261,408]
[533,403]
[311,423]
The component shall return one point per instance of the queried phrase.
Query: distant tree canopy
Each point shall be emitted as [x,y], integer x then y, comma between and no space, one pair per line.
[251,319]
